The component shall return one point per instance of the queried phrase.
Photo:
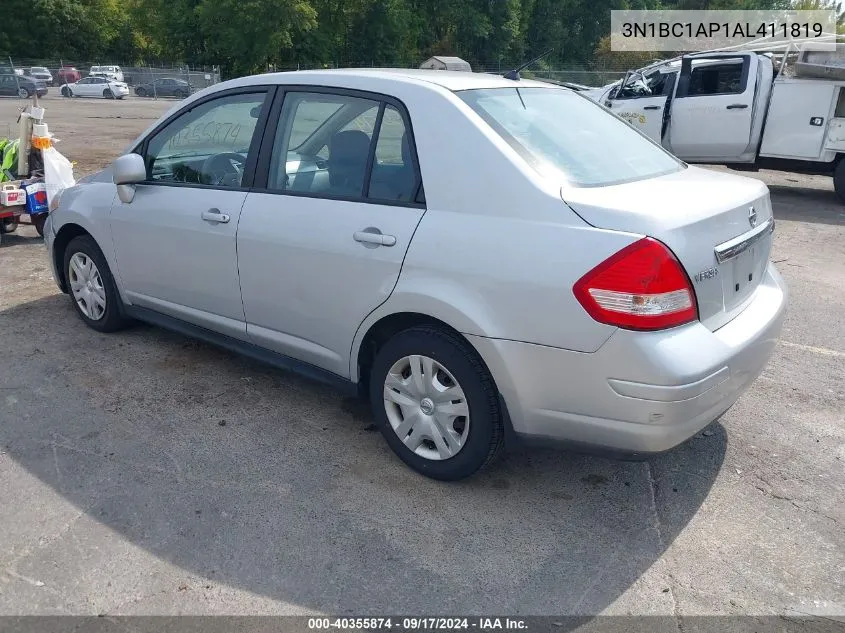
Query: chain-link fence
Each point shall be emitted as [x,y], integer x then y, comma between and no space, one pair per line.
[564,73]
[181,80]
[148,81]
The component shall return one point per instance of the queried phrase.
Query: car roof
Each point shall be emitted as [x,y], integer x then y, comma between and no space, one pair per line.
[450,79]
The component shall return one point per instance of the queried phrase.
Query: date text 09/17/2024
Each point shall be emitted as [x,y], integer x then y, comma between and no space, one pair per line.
[417,623]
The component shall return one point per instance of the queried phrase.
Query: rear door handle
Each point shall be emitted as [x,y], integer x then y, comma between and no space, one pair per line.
[737,106]
[214,215]
[651,108]
[370,236]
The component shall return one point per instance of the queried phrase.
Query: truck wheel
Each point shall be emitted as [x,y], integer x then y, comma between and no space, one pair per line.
[8,225]
[38,222]
[839,179]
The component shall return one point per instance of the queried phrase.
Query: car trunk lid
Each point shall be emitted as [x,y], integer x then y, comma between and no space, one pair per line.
[718,225]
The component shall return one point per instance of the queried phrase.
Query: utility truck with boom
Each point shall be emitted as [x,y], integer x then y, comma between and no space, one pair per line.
[746,109]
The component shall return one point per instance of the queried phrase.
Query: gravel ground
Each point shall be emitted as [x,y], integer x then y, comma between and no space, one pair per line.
[146,473]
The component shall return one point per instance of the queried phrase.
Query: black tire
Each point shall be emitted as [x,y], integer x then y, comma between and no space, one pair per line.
[180,94]
[112,319]
[108,94]
[38,222]
[8,225]
[141,92]
[839,179]
[485,434]
[66,92]
[24,93]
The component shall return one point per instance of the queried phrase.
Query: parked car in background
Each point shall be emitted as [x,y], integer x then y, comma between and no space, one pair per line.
[165,87]
[110,72]
[14,85]
[68,75]
[345,224]
[96,87]
[41,73]
[5,69]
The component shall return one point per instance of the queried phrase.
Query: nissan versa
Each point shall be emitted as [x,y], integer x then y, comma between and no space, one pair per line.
[486,259]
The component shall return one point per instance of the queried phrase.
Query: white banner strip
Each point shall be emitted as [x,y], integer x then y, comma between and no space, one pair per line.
[684,31]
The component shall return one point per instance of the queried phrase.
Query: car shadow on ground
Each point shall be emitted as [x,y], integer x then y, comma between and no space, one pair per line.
[807,204]
[258,480]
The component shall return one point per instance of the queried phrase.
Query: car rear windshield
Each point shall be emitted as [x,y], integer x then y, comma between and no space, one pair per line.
[556,130]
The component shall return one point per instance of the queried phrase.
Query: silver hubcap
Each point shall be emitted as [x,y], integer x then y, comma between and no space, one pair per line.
[426,407]
[87,286]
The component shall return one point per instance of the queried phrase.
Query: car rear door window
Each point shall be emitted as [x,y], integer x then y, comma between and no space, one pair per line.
[394,173]
[322,144]
[207,145]
[346,146]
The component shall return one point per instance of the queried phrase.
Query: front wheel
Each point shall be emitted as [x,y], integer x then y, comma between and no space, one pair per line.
[108,94]
[91,285]
[141,92]
[8,225]
[66,92]
[436,403]
[23,93]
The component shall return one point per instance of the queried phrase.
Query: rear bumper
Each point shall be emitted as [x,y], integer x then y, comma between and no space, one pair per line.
[641,392]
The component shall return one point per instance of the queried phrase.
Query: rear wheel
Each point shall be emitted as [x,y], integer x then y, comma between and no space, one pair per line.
[839,179]
[91,285]
[66,92]
[436,403]
[141,92]
[8,225]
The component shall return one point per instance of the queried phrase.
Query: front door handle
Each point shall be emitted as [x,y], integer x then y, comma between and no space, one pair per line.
[737,106]
[651,108]
[372,237]
[214,215]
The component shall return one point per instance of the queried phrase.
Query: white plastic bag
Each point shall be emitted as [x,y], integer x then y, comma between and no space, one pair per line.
[58,172]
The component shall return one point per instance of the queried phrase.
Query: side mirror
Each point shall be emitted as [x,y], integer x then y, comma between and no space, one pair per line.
[127,171]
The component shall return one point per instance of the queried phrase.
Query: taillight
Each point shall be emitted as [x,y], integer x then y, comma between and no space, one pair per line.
[642,287]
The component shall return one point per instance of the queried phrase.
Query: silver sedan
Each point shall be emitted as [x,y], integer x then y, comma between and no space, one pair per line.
[489,261]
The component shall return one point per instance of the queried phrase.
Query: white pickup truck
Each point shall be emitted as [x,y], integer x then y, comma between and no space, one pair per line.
[735,108]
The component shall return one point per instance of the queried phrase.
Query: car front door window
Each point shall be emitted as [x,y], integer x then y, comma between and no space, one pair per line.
[208,145]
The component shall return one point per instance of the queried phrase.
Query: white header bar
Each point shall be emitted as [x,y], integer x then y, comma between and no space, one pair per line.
[687,31]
